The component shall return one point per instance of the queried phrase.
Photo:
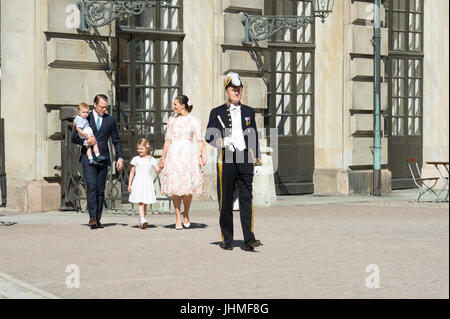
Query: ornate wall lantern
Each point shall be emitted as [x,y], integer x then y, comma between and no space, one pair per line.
[100,13]
[258,28]
[323,8]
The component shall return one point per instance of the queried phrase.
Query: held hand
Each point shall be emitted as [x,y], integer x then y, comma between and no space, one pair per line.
[91,140]
[201,161]
[119,164]
[227,141]
[161,164]
[129,189]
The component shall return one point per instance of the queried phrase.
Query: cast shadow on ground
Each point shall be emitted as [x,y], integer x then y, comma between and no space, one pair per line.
[7,223]
[236,243]
[148,226]
[109,224]
[193,226]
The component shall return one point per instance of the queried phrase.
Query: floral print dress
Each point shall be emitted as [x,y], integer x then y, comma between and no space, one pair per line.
[182,174]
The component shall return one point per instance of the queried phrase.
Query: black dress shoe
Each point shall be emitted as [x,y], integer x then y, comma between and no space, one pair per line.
[93,223]
[99,225]
[251,244]
[227,247]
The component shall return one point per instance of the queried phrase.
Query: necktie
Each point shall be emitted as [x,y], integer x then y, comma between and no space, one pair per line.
[98,123]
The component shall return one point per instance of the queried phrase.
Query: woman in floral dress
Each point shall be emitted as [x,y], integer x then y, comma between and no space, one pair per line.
[181,161]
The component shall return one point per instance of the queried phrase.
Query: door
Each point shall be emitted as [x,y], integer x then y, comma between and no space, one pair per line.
[405,114]
[291,112]
[405,69]
[291,98]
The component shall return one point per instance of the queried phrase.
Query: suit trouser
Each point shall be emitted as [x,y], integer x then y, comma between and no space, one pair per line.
[95,178]
[229,176]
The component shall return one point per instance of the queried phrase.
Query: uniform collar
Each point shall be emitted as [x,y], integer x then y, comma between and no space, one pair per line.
[235,107]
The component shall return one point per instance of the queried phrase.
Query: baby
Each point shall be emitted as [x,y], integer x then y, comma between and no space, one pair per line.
[85,131]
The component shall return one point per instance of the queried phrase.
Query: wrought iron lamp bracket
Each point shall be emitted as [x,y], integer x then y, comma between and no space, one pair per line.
[98,13]
[259,28]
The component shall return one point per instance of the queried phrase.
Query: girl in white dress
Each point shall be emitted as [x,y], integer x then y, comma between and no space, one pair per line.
[140,182]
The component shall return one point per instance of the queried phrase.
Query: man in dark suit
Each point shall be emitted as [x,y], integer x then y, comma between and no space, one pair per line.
[232,130]
[103,126]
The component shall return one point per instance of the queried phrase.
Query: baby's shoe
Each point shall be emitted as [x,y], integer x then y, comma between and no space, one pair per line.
[143,223]
[93,162]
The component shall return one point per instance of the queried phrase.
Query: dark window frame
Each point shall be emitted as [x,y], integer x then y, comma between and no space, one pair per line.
[294,33]
[406,55]
[389,5]
[158,36]
[293,47]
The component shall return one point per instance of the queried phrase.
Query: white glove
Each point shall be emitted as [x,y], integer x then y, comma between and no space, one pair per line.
[257,170]
[228,143]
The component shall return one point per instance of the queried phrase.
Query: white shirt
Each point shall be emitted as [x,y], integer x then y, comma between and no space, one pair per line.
[96,116]
[236,122]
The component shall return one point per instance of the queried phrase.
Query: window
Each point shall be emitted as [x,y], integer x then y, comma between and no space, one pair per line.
[160,16]
[406,101]
[149,73]
[294,8]
[294,93]
[405,21]
[292,76]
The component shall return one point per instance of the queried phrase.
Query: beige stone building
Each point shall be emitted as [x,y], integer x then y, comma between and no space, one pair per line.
[311,88]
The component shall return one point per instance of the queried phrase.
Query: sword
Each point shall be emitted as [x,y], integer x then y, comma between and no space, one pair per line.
[220,120]
[223,126]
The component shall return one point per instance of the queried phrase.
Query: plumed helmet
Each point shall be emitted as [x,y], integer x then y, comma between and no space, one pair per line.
[232,79]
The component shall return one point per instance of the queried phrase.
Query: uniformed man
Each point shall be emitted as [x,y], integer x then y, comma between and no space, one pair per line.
[232,130]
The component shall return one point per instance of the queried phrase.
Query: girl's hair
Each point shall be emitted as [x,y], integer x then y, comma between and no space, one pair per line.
[183,99]
[144,142]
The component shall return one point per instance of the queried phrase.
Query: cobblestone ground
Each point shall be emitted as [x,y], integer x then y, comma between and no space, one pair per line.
[309,251]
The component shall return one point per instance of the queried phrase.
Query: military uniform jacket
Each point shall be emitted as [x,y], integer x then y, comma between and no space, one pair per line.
[215,133]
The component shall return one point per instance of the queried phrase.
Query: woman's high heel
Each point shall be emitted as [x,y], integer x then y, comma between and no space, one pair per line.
[186,225]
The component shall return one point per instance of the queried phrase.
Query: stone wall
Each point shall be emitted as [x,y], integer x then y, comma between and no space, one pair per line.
[46,55]
[50,65]
[436,84]
[344,101]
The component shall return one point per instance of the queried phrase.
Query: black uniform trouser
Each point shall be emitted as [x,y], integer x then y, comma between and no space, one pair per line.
[229,176]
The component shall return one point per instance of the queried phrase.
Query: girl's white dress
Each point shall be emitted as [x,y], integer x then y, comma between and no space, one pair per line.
[142,188]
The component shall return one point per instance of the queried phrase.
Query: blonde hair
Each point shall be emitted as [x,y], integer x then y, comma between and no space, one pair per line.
[83,106]
[144,142]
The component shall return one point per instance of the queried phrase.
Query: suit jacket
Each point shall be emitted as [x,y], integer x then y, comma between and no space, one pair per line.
[215,132]
[107,129]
